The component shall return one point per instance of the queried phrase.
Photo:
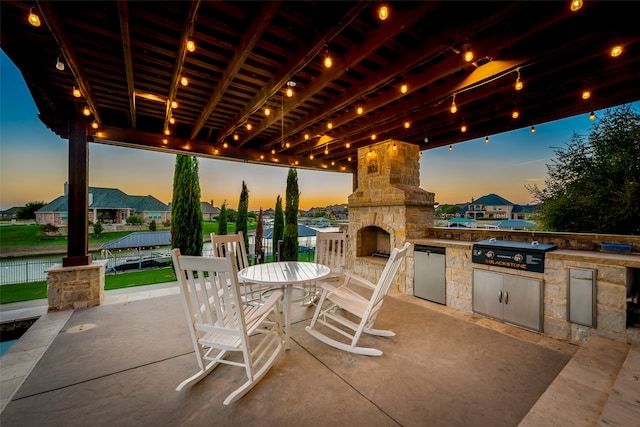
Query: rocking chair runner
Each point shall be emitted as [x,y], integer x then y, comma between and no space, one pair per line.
[344,298]
[218,325]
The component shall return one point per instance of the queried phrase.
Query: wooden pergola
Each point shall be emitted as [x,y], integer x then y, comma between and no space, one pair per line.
[128,61]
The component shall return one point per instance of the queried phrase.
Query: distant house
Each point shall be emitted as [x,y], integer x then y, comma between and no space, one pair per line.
[9,214]
[209,212]
[493,206]
[109,205]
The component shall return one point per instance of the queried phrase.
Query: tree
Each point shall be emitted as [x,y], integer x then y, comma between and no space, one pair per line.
[278,224]
[292,198]
[97,228]
[448,210]
[28,211]
[593,184]
[186,213]
[222,219]
[241,217]
[259,252]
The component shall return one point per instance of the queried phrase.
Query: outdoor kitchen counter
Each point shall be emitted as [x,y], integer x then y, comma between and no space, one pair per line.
[444,243]
[595,257]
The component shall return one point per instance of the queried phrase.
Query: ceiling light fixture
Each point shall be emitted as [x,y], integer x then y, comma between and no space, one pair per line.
[60,64]
[519,85]
[468,53]
[383,13]
[33,18]
[576,5]
[191,45]
[616,51]
[184,81]
[76,92]
[454,107]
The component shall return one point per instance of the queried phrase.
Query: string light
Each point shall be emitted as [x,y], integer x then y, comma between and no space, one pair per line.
[86,111]
[191,45]
[306,136]
[586,94]
[76,92]
[184,81]
[165,140]
[592,116]
[576,5]
[94,124]
[394,146]
[533,129]
[225,145]
[454,107]
[468,53]
[249,127]
[236,137]
[267,111]
[383,13]
[273,151]
[463,128]
[486,140]
[519,85]
[329,125]
[616,51]
[515,114]
[167,131]
[349,159]
[172,120]
[311,156]
[359,110]
[348,145]
[451,148]
[328,62]
[404,88]
[33,18]
[174,105]
[60,64]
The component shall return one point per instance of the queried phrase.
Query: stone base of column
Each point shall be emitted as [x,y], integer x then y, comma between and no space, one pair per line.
[81,286]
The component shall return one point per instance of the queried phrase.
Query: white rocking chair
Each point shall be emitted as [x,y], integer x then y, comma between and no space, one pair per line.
[331,250]
[222,244]
[219,325]
[344,298]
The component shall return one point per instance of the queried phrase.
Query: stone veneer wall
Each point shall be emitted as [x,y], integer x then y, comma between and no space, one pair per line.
[75,287]
[388,196]
[612,275]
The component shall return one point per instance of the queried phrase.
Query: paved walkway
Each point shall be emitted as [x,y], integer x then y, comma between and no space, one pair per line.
[447,366]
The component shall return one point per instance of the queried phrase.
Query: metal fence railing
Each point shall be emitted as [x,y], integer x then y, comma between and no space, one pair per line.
[25,271]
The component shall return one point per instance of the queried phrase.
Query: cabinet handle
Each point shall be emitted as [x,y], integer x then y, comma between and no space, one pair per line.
[506,297]
[499,296]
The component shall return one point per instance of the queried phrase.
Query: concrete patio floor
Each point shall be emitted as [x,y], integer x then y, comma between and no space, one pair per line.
[119,364]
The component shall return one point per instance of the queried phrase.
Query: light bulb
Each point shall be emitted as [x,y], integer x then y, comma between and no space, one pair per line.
[311,156]
[261,156]
[349,159]
[225,145]
[267,111]
[306,136]
[486,140]
[174,104]
[394,146]
[515,114]
[167,131]
[33,18]
[519,84]
[383,13]
[463,128]
[407,124]
[191,45]
[86,111]
[76,92]
[94,124]
[348,145]
[373,136]
[404,88]
[451,148]
[533,129]
[289,92]
[454,107]
[60,64]
[287,145]
[184,81]
[235,137]
[576,5]
[360,110]
[249,126]
[165,140]
[616,51]
[326,151]
[333,163]
[273,151]
[328,62]
[592,116]
[172,120]
[468,55]
[586,94]
[329,125]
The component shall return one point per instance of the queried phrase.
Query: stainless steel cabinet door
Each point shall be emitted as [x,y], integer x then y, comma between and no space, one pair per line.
[488,294]
[523,301]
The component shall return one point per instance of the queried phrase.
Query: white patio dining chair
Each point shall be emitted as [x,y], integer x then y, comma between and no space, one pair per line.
[344,298]
[331,250]
[218,326]
[223,244]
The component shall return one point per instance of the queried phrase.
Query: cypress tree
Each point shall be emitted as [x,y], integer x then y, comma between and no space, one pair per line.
[278,225]
[186,213]
[222,219]
[291,217]
[242,215]
[259,252]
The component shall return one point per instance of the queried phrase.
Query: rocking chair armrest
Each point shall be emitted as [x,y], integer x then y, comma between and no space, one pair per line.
[358,279]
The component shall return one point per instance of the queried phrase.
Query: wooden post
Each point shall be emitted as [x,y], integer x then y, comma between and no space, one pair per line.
[78,196]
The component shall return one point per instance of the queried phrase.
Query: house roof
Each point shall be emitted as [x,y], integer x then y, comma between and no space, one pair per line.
[303,231]
[208,208]
[513,223]
[491,199]
[128,57]
[110,198]
[145,239]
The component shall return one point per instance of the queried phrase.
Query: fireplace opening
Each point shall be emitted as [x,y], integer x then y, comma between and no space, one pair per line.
[373,242]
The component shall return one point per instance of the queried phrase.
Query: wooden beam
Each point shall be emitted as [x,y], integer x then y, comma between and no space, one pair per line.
[125,34]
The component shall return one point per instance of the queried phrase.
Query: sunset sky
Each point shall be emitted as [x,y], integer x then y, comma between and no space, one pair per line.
[34,164]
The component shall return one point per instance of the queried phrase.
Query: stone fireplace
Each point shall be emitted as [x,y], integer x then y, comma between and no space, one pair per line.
[387,208]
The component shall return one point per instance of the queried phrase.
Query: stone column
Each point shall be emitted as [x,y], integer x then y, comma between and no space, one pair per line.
[74,287]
